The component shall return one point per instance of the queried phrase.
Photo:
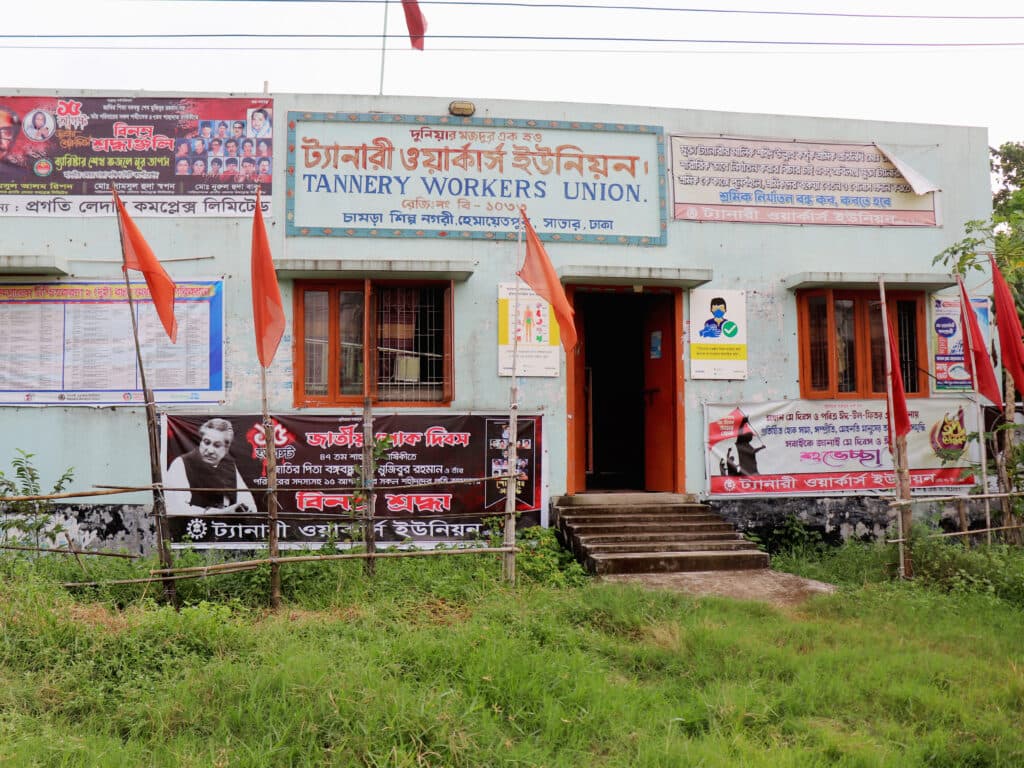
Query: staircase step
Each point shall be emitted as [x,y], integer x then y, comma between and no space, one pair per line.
[662,562]
[679,527]
[655,537]
[667,546]
[623,499]
[628,520]
[602,509]
[650,533]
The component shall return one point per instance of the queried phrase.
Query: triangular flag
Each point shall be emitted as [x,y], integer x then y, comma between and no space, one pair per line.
[900,418]
[267,308]
[977,362]
[137,255]
[416,23]
[728,427]
[1010,345]
[538,273]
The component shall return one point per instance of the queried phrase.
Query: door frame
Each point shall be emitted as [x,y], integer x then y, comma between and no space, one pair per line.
[576,448]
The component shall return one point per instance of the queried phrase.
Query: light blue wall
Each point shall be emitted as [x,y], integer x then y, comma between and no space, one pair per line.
[108,445]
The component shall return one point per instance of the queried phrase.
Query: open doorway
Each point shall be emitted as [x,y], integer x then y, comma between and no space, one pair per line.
[625,390]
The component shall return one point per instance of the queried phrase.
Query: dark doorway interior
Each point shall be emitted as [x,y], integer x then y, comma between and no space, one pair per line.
[613,329]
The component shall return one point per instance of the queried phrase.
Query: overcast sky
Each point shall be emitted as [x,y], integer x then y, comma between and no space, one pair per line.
[963,85]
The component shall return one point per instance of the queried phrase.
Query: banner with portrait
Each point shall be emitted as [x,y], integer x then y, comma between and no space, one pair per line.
[62,155]
[432,482]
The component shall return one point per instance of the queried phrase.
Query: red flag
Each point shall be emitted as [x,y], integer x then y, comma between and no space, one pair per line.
[538,273]
[1010,345]
[900,418]
[727,427]
[137,255]
[267,309]
[977,362]
[416,23]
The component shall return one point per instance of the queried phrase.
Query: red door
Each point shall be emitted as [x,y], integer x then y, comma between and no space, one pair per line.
[659,393]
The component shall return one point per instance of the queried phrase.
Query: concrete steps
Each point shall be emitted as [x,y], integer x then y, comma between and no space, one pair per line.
[650,533]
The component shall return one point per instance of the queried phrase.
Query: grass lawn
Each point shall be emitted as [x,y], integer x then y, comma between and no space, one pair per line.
[436,664]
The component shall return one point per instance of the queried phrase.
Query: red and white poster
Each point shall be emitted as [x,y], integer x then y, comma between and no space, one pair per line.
[830,447]
[62,155]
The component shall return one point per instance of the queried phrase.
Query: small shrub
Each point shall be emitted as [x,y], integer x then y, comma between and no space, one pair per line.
[543,560]
[29,522]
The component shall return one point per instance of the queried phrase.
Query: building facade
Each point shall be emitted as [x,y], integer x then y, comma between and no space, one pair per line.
[725,271]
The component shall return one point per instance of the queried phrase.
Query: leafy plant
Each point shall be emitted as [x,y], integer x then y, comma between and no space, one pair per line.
[29,522]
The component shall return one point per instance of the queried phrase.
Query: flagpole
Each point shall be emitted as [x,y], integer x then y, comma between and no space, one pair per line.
[898,445]
[383,47]
[270,448]
[262,295]
[152,430]
[509,560]
[969,355]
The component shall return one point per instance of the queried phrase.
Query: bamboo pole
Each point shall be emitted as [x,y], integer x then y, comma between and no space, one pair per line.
[59,551]
[972,497]
[71,549]
[898,446]
[982,443]
[270,454]
[112,491]
[965,533]
[961,510]
[508,566]
[152,431]
[202,572]
[151,579]
[369,471]
[326,487]
[344,556]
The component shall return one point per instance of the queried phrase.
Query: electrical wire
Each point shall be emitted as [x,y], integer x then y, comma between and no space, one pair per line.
[647,8]
[528,38]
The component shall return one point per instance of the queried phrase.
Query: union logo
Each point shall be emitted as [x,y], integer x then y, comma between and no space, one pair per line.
[949,434]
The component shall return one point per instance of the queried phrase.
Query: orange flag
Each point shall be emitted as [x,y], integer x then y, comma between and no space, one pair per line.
[416,23]
[139,256]
[538,273]
[977,360]
[267,309]
[900,418]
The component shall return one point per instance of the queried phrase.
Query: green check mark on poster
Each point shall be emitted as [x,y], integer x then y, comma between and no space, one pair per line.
[730,329]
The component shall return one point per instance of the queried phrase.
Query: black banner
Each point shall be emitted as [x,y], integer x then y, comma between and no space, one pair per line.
[430,482]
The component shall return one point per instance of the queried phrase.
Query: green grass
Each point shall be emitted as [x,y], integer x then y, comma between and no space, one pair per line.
[435,663]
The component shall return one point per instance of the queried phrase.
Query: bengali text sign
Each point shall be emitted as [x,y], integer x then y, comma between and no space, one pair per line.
[791,182]
[401,176]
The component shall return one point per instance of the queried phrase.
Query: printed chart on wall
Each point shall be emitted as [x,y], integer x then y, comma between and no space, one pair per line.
[423,483]
[167,157]
[951,375]
[718,334]
[833,447]
[71,344]
[373,175]
[523,312]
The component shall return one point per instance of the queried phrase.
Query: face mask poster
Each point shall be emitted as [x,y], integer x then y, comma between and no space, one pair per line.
[718,337]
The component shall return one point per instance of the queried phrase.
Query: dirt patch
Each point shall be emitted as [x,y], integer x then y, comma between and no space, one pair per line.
[782,589]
